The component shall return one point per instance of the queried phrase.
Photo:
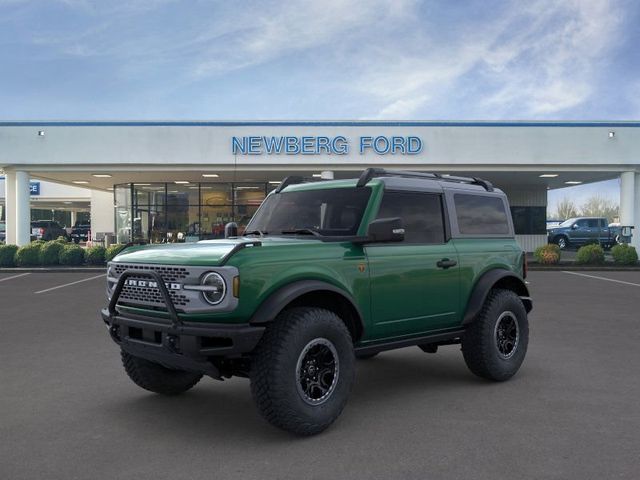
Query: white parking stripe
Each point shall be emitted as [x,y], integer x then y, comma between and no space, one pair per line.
[72,283]
[602,278]
[11,278]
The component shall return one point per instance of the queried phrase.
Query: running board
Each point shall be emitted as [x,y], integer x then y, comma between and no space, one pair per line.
[435,337]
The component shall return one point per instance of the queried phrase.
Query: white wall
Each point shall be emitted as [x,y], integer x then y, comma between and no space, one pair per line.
[101,212]
[506,144]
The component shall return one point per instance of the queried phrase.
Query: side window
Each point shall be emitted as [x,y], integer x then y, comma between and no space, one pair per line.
[421,214]
[481,215]
[593,223]
[581,223]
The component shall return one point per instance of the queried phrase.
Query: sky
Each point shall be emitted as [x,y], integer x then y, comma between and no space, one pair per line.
[330,59]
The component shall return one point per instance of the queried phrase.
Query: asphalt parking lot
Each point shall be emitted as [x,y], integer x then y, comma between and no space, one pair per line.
[68,411]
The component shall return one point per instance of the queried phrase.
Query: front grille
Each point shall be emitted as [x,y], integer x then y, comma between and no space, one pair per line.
[148,296]
[169,274]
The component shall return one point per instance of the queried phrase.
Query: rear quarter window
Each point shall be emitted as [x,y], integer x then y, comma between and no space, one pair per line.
[481,215]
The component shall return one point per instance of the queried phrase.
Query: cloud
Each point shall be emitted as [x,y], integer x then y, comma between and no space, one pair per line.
[529,61]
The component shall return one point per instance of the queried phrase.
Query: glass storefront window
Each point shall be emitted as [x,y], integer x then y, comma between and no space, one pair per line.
[213,219]
[169,212]
[215,194]
[181,195]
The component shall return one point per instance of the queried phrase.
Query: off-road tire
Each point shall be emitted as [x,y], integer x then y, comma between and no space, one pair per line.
[479,342]
[274,370]
[156,378]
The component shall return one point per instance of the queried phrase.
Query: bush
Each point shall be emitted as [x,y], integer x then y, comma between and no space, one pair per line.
[590,254]
[29,255]
[624,254]
[113,250]
[547,254]
[50,253]
[8,255]
[95,255]
[62,240]
[72,255]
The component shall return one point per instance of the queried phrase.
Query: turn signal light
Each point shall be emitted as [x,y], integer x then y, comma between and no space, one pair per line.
[236,286]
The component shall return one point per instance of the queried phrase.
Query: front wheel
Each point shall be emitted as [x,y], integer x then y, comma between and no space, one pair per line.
[495,344]
[156,378]
[562,242]
[303,370]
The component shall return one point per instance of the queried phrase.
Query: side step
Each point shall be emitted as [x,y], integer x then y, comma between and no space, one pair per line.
[449,336]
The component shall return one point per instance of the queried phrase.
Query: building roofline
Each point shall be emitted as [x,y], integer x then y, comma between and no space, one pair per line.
[319,123]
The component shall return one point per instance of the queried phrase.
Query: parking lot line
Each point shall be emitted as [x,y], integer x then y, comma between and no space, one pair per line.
[14,276]
[72,283]
[602,278]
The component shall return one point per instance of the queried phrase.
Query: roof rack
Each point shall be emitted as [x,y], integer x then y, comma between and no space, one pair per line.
[370,173]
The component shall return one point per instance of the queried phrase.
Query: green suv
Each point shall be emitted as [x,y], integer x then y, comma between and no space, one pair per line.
[325,273]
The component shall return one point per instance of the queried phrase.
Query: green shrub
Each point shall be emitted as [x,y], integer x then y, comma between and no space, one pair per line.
[8,255]
[29,255]
[72,255]
[113,250]
[624,254]
[547,254]
[95,255]
[590,255]
[62,240]
[50,253]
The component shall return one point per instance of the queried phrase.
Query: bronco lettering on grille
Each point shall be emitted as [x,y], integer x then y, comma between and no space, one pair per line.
[132,282]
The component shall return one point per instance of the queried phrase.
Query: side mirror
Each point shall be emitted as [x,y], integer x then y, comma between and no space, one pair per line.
[385,230]
[231,230]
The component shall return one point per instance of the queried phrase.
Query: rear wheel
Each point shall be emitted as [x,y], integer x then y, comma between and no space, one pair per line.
[156,378]
[495,344]
[303,369]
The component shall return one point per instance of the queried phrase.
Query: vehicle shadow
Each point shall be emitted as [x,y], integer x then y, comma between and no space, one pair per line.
[225,410]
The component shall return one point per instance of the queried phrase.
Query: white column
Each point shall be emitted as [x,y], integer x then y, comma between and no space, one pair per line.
[23,209]
[10,206]
[326,175]
[73,218]
[635,240]
[629,192]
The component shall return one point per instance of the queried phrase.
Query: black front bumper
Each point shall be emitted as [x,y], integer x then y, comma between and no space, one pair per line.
[190,346]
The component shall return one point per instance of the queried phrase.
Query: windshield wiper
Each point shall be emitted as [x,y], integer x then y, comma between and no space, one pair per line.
[254,232]
[301,231]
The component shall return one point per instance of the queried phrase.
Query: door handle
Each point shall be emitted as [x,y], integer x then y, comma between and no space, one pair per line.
[446,263]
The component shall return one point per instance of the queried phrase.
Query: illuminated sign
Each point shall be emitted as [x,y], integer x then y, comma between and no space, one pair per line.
[321,145]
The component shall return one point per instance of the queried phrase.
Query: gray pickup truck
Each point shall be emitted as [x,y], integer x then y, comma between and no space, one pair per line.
[581,231]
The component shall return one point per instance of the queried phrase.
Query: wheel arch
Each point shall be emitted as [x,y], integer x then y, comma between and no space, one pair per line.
[496,278]
[312,293]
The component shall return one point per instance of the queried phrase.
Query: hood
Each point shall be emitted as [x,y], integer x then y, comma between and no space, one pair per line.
[206,252]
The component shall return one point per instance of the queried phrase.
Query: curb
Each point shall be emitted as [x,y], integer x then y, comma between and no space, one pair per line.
[578,268]
[54,270]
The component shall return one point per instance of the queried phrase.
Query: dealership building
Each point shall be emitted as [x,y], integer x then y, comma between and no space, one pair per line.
[182,181]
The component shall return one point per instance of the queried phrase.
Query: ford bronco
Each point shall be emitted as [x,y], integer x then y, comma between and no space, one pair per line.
[325,273]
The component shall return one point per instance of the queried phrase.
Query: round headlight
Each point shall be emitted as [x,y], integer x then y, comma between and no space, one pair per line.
[216,288]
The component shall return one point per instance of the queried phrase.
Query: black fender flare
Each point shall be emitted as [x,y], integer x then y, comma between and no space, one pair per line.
[489,280]
[278,300]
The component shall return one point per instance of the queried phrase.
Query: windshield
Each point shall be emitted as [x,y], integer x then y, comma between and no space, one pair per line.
[567,223]
[328,212]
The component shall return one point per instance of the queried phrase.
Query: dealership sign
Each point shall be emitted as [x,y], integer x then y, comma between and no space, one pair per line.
[312,145]
[34,188]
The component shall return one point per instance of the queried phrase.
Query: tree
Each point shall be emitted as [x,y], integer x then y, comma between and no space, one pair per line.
[597,206]
[565,209]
